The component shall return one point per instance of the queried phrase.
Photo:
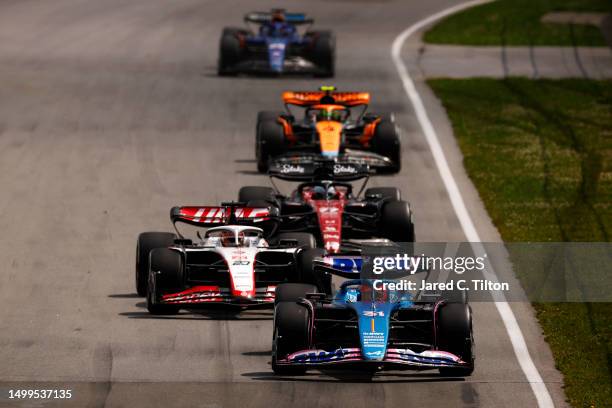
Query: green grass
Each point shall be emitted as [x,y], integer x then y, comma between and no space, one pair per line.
[517,22]
[540,155]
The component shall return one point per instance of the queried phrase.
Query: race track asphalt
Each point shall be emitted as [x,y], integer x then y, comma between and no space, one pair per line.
[111,112]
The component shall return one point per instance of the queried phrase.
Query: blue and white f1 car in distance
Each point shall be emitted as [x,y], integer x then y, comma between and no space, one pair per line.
[368,326]
[274,43]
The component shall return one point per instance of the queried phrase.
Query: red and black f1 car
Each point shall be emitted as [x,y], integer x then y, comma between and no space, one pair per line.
[231,261]
[325,204]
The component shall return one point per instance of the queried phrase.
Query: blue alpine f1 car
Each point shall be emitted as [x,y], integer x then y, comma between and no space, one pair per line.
[369,325]
[275,42]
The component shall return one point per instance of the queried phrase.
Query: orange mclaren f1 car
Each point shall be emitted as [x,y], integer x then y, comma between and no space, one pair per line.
[334,125]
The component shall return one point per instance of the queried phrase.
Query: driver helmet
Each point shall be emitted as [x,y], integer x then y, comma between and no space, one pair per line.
[318,192]
[228,239]
[278,16]
[329,114]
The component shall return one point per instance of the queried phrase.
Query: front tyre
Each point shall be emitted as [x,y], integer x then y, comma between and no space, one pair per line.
[307,272]
[291,331]
[230,51]
[147,241]
[166,275]
[292,292]
[455,335]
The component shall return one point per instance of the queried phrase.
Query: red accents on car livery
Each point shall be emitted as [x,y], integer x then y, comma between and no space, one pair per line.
[329,213]
[216,215]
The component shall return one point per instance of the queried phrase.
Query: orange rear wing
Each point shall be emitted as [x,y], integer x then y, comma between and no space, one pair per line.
[309,98]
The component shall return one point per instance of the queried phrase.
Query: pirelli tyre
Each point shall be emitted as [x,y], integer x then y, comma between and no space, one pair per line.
[270,142]
[257,194]
[291,325]
[292,292]
[263,116]
[304,240]
[386,142]
[455,335]
[324,53]
[166,275]
[147,241]
[386,193]
[307,272]
[396,222]
[230,51]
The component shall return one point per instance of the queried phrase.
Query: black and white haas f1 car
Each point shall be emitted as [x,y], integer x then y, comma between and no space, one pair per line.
[230,263]
[325,205]
[369,325]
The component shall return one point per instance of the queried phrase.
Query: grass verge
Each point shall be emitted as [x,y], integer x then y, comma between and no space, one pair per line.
[517,22]
[540,155]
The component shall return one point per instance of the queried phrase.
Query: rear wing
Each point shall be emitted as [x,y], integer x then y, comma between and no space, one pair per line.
[311,168]
[222,215]
[262,17]
[310,98]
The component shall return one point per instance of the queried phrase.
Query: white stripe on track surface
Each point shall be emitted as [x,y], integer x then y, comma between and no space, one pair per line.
[507,315]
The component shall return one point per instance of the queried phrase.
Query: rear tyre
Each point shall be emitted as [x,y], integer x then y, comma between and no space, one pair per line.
[165,276]
[396,222]
[292,292]
[387,193]
[147,241]
[256,193]
[304,240]
[263,116]
[230,51]
[324,55]
[455,336]
[386,142]
[291,324]
[270,142]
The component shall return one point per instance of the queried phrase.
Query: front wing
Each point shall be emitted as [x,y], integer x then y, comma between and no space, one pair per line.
[206,295]
[400,358]
[292,65]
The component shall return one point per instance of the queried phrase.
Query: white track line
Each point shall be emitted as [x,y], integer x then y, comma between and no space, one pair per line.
[514,331]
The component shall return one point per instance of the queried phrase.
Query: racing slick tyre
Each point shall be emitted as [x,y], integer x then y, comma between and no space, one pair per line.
[304,240]
[386,142]
[324,53]
[307,273]
[165,276]
[263,116]
[257,193]
[396,222]
[291,323]
[455,336]
[387,193]
[230,50]
[147,241]
[292,292]
[270,142]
